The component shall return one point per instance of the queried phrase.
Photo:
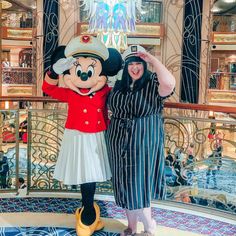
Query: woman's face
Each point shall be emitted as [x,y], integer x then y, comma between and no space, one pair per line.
[135,70]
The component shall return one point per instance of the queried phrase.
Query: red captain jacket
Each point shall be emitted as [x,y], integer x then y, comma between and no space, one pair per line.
[85,113]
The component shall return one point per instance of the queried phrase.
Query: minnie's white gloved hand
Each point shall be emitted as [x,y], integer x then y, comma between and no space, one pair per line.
[63,64]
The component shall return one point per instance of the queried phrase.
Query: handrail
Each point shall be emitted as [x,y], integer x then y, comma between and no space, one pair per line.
[188,106]
[201,107]
[27,98]
[222,73]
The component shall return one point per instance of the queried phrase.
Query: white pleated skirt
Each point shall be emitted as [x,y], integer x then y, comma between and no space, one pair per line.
[82,158]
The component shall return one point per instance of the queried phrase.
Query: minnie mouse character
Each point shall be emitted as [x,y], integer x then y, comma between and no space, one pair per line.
[85,64]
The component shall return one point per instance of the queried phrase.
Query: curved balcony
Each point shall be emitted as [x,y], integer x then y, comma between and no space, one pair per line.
[18,81]
[17,75]
[200,169]
[222,87]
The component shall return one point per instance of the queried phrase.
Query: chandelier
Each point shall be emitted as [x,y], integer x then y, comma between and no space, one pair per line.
[111,20]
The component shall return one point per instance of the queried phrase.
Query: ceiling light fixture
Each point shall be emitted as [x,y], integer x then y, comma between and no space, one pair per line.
[111,20]
[229,1]
[216,9]
[5,4]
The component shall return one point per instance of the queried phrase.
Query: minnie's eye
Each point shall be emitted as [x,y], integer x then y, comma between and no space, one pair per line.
[90,71]
[78,70]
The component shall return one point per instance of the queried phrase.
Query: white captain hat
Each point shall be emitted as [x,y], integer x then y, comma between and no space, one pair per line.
[86,45]
[132,50]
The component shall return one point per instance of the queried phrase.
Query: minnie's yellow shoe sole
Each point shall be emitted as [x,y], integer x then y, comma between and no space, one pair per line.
[100,224]
[87,230]
[81,229]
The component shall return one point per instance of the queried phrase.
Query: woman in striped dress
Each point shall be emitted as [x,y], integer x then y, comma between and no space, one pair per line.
[135,136]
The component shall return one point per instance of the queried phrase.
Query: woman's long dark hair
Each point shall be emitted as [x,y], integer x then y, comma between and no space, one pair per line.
[124,84]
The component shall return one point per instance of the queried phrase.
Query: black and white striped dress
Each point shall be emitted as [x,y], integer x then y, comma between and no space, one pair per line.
[135,142]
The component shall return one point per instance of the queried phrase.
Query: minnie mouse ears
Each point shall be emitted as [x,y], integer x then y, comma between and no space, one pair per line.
[86,45]
[113,64]
[58,53]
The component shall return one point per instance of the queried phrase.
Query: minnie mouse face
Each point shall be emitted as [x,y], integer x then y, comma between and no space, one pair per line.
[93,63]
[84,77]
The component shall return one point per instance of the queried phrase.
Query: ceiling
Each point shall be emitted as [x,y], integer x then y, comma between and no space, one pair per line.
[221,7]
[224,7]
[21,5]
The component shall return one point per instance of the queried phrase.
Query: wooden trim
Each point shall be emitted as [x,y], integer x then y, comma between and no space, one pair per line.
[82,28]
[141,30]
[218,38]
[27,98]
[6,33]
[200,107]
[221,95]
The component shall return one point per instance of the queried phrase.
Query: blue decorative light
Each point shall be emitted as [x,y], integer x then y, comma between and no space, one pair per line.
[112,20]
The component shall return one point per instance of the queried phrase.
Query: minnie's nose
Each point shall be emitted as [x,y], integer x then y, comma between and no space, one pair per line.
[84,76]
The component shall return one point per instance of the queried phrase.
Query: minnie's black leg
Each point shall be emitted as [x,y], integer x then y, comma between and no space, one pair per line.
[88,215]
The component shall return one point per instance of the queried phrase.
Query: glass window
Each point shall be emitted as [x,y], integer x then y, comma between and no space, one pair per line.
[151,12]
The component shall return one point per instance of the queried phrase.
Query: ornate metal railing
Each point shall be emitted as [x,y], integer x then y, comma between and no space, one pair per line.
[200,145]
[204,173]
[222,81]
[18,75]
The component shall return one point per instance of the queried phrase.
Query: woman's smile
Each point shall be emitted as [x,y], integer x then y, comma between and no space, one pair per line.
[135,70]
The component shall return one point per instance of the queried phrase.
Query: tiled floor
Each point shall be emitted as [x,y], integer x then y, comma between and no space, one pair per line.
[54,216]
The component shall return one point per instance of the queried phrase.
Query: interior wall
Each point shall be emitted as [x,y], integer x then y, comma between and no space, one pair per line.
[173,16]
[68,18]
[224,59]
[5,54]
[14,57]
[205,50]
[38,45]
[172,41]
